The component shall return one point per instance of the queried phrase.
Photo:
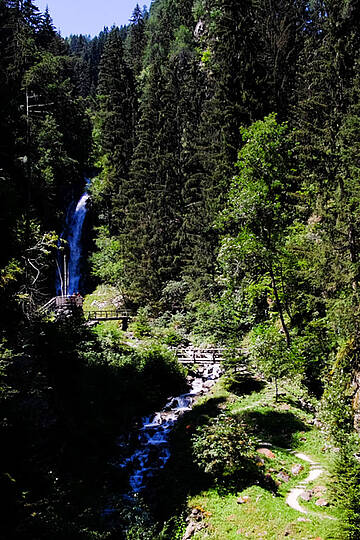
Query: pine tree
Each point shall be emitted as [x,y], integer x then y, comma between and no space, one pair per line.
[327,99]
[115,124]
[153,220]
[280,25]
[136,40]
[150,232]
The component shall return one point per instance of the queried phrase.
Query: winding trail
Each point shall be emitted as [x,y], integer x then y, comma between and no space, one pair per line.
[315,471]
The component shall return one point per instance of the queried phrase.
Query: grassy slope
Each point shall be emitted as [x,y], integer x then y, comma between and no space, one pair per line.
[266,515]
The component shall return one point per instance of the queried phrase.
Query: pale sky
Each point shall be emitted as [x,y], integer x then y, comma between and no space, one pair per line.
[88,16]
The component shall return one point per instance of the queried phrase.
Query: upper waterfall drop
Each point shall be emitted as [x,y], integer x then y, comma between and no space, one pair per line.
[73,235]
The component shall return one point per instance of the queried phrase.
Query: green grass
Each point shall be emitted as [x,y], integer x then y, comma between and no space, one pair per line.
[266,515]
[263,516]
[105,297]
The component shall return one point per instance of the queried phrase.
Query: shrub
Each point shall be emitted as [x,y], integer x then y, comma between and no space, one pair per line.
[224,450]
[109,336]
[141,325]
[172,338]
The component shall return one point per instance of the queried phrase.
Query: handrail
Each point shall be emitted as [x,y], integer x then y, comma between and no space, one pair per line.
[194,355]
[73,302]
[106,314]
[48,305]
[59,302]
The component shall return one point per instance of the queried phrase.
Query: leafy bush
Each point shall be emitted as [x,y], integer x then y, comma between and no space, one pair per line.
[109,335]
[161,374]
[106,262]
[172,329]
[172,338]
[270,354]
[224,450]
[208,323]
[122,382]
[173,294]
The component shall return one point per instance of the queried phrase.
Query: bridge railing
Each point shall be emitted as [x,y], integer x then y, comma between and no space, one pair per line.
[57,302]
[202,354]
[211,354]
[107,314]
[49,306]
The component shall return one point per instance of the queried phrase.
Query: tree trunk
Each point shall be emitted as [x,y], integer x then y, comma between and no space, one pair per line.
[353,254]
[281,313]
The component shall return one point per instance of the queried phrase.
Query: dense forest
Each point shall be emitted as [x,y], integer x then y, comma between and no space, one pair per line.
[222,139]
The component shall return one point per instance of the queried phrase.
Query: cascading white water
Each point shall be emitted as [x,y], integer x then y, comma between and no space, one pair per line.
[153,450]
[72,234]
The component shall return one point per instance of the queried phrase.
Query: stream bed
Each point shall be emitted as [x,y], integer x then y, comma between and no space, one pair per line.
[152,434]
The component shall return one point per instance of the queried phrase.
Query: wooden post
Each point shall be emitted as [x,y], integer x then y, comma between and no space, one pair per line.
[124,325]
[65,277]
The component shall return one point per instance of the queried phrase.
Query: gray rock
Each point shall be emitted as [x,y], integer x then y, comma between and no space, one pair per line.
[322,502]
[306,496]
[296,469]
[283,476]
[319,490]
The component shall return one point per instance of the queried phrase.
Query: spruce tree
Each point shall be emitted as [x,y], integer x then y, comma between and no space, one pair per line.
[136,40]
[114,124]
[153,219]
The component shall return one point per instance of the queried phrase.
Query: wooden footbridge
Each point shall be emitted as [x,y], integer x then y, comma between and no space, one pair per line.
[109,315]
[194,355]
[74,304]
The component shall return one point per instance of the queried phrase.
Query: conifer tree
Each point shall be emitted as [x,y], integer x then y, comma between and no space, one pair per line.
[115,126]
[327,99]
[136,40]
[153,220]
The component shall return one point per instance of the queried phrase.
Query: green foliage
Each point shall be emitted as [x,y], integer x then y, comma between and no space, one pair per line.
[160,370]
[337,402]
[110,336]
[259,199]
[206,56]
[172,338]
[224,450]
[269,352]
[171,329]
[126,381]
[10,273]
[259,208]
[347,487]
[174,87]
[173,294]
[217,322]
[106,262]
[141,325]
[183,41]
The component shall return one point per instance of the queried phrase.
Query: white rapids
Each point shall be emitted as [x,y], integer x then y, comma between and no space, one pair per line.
[153,451]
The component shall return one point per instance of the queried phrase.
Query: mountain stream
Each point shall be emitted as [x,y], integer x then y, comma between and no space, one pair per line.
[152,447]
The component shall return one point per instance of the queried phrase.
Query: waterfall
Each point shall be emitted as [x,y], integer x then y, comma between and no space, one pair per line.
[72,234]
